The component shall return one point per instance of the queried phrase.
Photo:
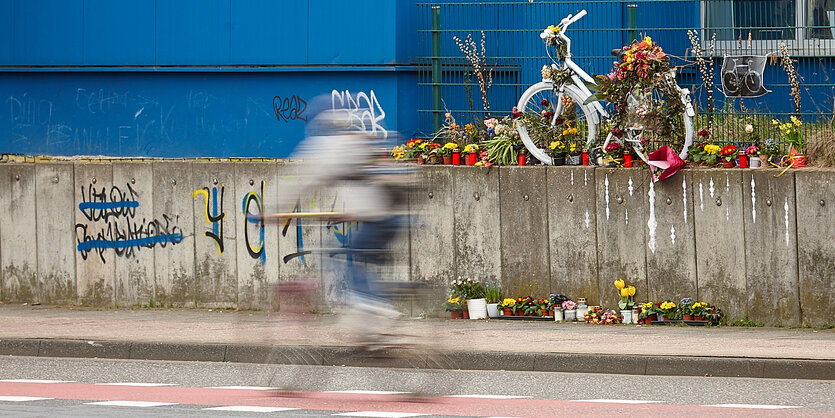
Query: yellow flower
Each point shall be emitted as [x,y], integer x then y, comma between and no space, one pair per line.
[398,152]
[508,302]
[619,284]
[712,149]
[554,29]
[631,290]
[774,122]
[648,40]
[471,148]
[557,145]
[624,292]
[453,300]
[450,145]
[423,145]
[796,121]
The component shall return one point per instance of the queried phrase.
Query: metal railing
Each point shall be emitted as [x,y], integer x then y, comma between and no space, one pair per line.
[516,54]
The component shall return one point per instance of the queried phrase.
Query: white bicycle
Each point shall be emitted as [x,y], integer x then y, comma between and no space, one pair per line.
[569,97]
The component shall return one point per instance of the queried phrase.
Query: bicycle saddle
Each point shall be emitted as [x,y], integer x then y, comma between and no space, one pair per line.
[618,52]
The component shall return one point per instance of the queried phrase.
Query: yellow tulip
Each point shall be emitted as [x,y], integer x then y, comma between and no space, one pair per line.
[619,283]
[624,292]
[631,290]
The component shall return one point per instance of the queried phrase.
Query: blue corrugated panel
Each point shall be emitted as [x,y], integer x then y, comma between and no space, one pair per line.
[6,31]
[352,32]
[193,32]
[269,33]
[119,33]
[47,32]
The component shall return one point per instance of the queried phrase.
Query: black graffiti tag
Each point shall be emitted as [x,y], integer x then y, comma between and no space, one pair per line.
[289,108]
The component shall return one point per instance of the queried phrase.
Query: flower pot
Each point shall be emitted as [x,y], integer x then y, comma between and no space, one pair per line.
[763,160]
[457,314]
[447,160]
[472,158]
[558,315]
[743,161]
[626,315]
[520,313]
[753,161]
[507,312]
[728,164]
[698,318]
[522,159]
[466,313]
[650,318]
[493,310]
[570,314]
[477,308]
[687,317]
[799,160]
[558,160]
[550,313]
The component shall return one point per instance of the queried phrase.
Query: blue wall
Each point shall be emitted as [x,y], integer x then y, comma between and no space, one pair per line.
[189,78]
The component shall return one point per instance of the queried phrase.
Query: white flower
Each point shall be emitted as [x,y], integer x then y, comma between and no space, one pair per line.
[749,128]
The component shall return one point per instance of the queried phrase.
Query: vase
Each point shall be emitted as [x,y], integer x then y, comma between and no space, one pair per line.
[472,158]
[477,308]
[447,160]
[493,310]
[507,312]
[753,162]
[522,159]
[457,314]
[728,164]
[626,314]
[687,317]
[570,314]
[743,161]
[558,160]
[558,315]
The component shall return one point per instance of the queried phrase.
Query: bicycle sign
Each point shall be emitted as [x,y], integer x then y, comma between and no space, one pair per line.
[742,75]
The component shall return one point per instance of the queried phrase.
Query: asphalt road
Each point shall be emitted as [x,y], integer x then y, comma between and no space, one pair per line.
[192,387]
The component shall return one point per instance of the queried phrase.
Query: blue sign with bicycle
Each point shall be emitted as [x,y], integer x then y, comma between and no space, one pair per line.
[742,75]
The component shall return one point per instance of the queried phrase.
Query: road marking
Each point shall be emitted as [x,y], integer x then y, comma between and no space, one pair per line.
[366,392]
[627,401]
[139,404]
[137,384]
[379,414]
[36,381]
[250,409]
[243,387]
[489,396]
[742,405]
[20,398]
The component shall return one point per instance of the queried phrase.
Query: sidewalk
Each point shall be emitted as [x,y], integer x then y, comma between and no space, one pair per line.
[201,335]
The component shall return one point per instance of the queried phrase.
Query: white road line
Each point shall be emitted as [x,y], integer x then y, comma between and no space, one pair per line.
[20,398]
[366,392]
[139,404]
[489,396]
[751,406]
[243,387]
[249,409]
[378,414]
[627,401]
[36,381]
[137,384]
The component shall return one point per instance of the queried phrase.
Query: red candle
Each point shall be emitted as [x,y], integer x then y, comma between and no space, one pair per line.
[456,157]
[585,158]
[627,160]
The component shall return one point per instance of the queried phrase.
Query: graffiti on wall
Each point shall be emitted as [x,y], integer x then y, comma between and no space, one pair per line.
[115,225]
[363,110]
[289,108]
[214,215]
[254,201]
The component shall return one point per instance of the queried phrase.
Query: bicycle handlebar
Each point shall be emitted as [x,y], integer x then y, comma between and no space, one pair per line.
[571,19]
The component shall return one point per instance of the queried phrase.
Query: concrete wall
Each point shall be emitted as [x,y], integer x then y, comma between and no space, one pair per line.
[176,233]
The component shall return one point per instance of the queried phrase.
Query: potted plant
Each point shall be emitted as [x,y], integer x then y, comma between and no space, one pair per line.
[713,315]
[728,154]
[446,152]
[503,146]
[493,294]
[686,309]
[542,307]
[697,310]
[453,306]
[614,154]
[648,313]
[508,306]
[770,152]
[626,302]
[667,310]
[556,302]
[792,134]
[752,152]
[569,310]
[704,154]
[557,150]
[471,151]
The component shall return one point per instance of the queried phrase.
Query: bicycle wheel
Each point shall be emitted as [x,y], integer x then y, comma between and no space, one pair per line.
[537,129]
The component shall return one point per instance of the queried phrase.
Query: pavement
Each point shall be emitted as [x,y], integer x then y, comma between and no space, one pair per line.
[493,344]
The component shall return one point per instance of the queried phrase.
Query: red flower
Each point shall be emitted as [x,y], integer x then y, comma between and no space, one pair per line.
[617,132]
[547,114]
[703,133]
[544,102]
[515,113]
[728,150]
